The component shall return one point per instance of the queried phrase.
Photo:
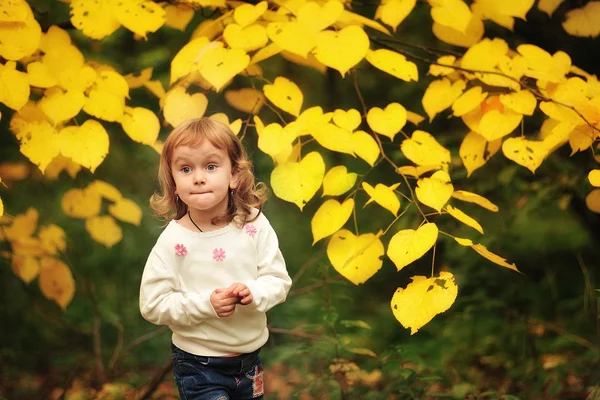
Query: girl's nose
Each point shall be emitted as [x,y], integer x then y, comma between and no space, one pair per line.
[199,178]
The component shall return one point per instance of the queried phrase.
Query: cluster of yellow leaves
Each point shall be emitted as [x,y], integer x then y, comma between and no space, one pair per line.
[36,255]
[87,204]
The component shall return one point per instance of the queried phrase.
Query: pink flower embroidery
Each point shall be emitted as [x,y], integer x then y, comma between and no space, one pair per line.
[219,254]
[180,250]
[251,230]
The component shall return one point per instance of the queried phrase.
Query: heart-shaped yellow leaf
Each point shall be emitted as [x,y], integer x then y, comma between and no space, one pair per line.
[178,16]
[219,65]
[522,102]
[39,75]
[317,17]
[248,100]
[184,61]
[409,245]
[140,17]
[330,218]
[180,106]
[440,94]
[104,105]
[475,198]
[424,150]
[594,177]
[104,229]
[87,145]
[338,181]
[394,64]
[423,299]
[393,12]
[81,203]
[141,125]
[435,191]
[468,101]
[56,281]
[349,120]
[492,120]
[356,258]
[25,267]
[126,210]
[475,151]
[40,142]
[387,122]
[471,36]
[285,94]
[292,36]
[333,138]
[250,38]
[384,196]
[15,87]
[273,140]
[15,11]
[52,238]
[61,106]
[452,13]
[527,153]
[297,182]
[464,218]
[94,19]
[365,146]
[343,49]
[311,119]
[19,39]
[247,14]
[583,21]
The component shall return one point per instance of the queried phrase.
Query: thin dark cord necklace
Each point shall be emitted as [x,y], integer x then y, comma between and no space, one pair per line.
[190,215]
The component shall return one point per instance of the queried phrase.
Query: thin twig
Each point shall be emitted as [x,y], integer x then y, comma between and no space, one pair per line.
[310,288]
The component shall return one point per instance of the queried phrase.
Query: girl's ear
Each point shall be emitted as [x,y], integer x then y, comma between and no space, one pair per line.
[234,181]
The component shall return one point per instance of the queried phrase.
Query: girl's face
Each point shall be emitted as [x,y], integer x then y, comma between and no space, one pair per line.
[203,176]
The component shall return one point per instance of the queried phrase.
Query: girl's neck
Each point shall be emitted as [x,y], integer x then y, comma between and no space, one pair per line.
[200,221]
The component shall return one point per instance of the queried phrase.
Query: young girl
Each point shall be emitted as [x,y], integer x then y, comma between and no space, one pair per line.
[216,269]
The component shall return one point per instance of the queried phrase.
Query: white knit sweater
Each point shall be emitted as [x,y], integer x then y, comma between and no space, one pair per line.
[185,267]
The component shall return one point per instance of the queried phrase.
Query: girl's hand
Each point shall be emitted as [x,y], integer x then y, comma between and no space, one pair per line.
[241,292]
[223,302]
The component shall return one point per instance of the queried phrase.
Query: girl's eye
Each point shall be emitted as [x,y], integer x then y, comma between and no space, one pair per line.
[186,170]
[211,167]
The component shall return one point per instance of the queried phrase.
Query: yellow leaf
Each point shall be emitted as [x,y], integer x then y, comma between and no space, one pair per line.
[350,18]
[1,207]
[56,281]
[292,36]
[40,143]
[560,113]
[219,65]
[475,151]
[592,201]
[440,94]
[582,137]
[127,211]
[141,125]
[104,105]
[365,146]
[81,203]
[522,102]
[492,120]
[15,11]
[333,138]
[77,79]
[542,65]
[103,229]
[409,245]
[394,64]
[472,35]
[25,267]
[414,117]
[423,299]
[583,21]
[311,119]
[273,140]
[55,37]
[39,75]
[285,94]
[468,101]
[383,195]
[211,28]
[485,55]
[527,153]
[424,150]
[52,238]
[338,181]
[387,122]
[184,61]
[297,182]
[87,145]
[94,19]
[549,6]
[317,17]
[348,120]
[14,87]
[61,106]
[180,106]
[250,38]
[416,172]
[593,177]
[393,12]
[452,13]
[178,16]
[139,16]
[23,225]
[105,190]
[356,258]
[136,81]
[435,191]
[248,100]
[309,61]
[59,164]
[475,198]
[343,49]
[330,218]
[484,252]
[235,126]
[464,218]
[247,14]
[439,69]
[502,14]
[19,39]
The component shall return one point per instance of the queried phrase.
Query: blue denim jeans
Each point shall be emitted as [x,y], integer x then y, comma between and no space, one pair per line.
[218,378]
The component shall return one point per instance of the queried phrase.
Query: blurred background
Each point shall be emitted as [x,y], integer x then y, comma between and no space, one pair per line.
[534,335]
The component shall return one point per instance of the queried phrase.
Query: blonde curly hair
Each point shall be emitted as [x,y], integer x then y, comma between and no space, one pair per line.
[248,194]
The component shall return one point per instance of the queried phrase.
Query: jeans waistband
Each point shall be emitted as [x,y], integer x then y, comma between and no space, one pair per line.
[229,365]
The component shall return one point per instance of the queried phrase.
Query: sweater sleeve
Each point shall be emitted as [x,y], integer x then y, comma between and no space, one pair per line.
[161,301]
[273,281]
